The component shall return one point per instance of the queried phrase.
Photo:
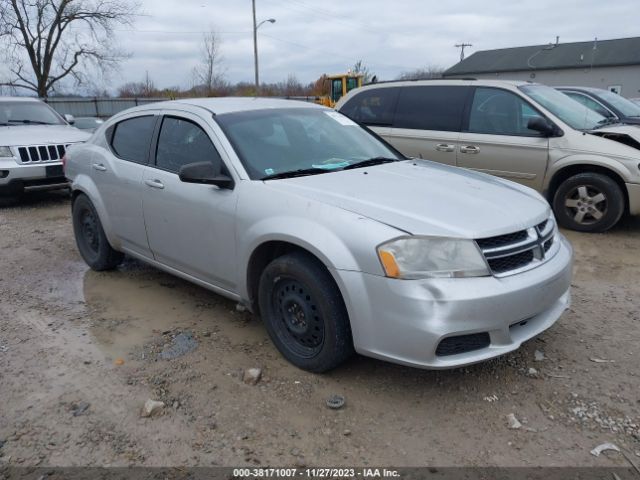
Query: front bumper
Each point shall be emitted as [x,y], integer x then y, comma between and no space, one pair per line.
[404,321]
[16,178]
[633,189]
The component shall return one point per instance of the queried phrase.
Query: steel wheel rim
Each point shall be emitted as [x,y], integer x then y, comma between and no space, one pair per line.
[298,322]
[89,229]
[586,204]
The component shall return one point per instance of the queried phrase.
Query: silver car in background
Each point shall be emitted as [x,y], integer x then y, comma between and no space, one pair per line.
[335,239]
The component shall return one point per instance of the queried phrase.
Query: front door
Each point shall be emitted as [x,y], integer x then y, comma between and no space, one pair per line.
[496,139]
[191,227]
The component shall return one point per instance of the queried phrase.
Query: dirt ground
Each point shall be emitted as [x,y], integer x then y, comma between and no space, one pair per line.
[67,399]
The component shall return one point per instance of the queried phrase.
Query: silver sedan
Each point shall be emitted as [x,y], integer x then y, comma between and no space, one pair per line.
[334,238]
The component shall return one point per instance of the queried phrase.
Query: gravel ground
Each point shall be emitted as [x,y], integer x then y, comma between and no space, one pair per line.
[81,352]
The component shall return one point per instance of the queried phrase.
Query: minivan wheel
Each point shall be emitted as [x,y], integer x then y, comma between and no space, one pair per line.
[588,202]
[90,237]
[304,313]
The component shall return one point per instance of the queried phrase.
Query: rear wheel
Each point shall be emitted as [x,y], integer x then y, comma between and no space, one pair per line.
[304,313]
[588,202]
[90,237]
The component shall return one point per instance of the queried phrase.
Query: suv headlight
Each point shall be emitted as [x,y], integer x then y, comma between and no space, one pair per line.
[5,152]
[428,257]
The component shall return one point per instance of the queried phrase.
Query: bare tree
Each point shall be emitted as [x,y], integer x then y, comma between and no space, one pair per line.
[208,75]
[359,68]
[424,73]
[46,41]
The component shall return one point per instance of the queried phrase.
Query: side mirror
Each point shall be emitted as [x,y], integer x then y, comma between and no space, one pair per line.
[542,125]
[205,173]
[69,118]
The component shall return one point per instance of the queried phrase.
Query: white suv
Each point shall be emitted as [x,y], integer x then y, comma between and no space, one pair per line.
[33,140]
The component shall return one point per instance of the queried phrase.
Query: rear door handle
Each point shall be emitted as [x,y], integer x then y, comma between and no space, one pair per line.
[100,167]
[469,149]
[445,147]
[154,183]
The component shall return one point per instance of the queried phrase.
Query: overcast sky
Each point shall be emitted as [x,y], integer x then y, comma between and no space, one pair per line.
[312,37]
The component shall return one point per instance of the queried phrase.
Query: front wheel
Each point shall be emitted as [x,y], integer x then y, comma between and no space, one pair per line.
[588,202]
[90,237]
[304,313]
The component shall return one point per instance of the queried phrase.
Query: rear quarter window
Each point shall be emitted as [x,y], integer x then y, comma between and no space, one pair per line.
[374,106]
[131,138]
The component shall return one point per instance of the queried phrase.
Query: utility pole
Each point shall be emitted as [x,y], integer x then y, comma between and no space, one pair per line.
[255,46]
[462,46]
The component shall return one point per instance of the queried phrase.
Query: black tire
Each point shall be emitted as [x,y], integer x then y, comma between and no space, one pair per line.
[588,202]
[304,313]
[90,238]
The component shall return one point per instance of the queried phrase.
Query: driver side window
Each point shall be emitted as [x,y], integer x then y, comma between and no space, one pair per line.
[182,142]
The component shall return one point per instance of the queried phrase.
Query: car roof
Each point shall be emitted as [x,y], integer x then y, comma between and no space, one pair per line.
[18,99]
[222,105]
[582,89]
[449,81]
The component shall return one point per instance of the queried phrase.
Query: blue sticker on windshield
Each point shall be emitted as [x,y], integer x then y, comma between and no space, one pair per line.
[331,166]
[269,171]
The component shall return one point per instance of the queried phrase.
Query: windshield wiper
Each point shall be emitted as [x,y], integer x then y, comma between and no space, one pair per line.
[371,162]
[29,122]
[606,121]
[297,173]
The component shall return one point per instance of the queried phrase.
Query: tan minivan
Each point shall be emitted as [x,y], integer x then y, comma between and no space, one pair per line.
[586,167]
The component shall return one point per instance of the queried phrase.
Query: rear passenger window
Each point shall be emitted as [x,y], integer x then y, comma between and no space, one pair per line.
[499,112]
[372,107]
[431,108]
[132,138]
[182,142]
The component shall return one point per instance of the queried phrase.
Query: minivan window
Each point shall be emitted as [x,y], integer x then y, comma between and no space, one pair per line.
[182,142]
[431,108]
[566,109]
[132,138]
[374,106]
[499,112]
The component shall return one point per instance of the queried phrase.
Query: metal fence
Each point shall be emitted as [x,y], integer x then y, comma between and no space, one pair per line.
[95,106]
[106,107]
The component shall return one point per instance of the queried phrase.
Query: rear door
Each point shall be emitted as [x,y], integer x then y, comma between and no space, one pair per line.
[428,120]
[191,227]
[496,140]
[117,173]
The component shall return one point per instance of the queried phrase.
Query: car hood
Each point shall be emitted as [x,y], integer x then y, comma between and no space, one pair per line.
[19,135]
[628,136]
[425,198]
[631,130]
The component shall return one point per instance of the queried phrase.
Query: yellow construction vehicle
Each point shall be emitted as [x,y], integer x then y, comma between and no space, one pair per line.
[340,85]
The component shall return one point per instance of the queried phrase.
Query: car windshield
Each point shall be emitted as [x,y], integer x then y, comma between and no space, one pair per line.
[306,140]
[565,108]
[625,106]
[28,113]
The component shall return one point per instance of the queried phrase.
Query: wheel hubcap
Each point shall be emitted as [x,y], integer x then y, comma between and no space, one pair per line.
[586,204]
[299,322]
[90,230]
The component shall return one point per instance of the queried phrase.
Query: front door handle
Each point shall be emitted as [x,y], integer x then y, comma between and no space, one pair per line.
[469,149]
[445,147]
[100,167]
[154,183]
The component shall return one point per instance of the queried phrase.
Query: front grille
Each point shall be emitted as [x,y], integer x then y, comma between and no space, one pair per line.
[511,262]
[41,153]
[463,344]
[518,251]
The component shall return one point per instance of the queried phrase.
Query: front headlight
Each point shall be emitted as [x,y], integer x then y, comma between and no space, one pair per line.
[427,257]
[5,152]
